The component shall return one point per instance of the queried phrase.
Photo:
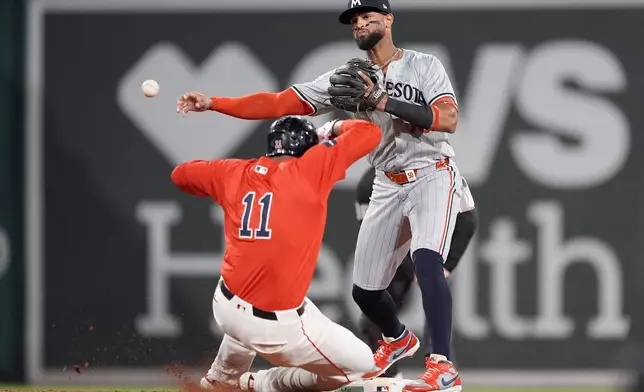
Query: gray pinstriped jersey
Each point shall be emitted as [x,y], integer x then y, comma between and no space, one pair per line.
[417,78]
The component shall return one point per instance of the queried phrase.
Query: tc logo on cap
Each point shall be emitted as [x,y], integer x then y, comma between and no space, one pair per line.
[355,3]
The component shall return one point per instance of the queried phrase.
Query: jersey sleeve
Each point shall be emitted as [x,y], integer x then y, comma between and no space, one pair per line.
[327,163]
[315,93]
[204,178]
[261,106]
[435,82]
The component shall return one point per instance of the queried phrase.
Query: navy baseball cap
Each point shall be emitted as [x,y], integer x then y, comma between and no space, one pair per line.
[355,6]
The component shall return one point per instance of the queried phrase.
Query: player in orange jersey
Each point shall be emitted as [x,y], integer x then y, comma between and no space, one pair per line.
[275,215]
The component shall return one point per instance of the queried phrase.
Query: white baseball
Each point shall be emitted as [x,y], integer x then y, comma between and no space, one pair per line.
[150,88]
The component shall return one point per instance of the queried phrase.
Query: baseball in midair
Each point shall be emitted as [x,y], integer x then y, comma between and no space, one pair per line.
[150,88]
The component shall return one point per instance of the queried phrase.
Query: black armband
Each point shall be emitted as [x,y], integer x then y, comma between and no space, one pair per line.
[418,115]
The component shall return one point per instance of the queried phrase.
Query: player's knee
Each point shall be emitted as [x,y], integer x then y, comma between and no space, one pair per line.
[424,255]
[362,296]
[427,263]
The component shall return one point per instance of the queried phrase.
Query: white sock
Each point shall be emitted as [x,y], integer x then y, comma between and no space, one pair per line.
[292,380]
[389,340]
[437,358]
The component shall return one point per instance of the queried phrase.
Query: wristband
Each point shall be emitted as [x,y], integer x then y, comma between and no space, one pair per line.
[326,131]
[417,115]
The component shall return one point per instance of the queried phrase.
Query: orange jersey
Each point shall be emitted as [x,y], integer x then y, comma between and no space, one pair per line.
[275,213]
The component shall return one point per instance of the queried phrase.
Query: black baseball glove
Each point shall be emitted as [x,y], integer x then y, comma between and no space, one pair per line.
[350,92]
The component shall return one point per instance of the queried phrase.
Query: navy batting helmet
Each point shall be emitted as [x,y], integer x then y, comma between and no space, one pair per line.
[291,135]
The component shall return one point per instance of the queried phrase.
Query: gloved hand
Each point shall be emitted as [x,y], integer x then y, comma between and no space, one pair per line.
[355,86]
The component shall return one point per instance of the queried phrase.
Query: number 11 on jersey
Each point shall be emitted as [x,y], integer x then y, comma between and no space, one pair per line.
[263,232]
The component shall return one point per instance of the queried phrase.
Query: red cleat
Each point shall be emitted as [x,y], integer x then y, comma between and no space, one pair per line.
[440,375]
[391,351]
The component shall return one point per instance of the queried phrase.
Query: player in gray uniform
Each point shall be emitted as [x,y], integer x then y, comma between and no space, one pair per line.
[416,180]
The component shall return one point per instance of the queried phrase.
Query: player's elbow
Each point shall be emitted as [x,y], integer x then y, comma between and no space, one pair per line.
[448,120]
[451,122]
[179,176]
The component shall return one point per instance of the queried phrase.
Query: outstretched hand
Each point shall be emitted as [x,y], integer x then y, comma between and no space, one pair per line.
[193,102]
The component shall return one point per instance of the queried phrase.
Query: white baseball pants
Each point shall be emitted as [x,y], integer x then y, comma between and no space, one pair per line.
[312,352]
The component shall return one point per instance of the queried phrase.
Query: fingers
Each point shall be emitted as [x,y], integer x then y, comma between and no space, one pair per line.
[189,97]
[366,79]
[182,103]
[190,102]
[184,98]
[368,83]
[193,102]
[183,108]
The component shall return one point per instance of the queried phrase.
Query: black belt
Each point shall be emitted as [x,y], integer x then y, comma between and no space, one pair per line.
[263,314]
